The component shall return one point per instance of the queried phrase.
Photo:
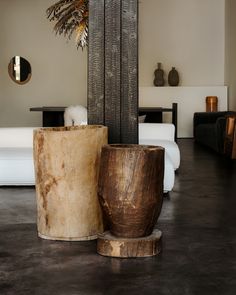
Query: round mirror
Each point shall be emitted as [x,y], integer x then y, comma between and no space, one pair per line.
[19,70]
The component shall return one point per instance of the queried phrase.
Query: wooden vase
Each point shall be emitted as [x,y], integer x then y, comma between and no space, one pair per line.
[131,188]
[66,170]
[211,104]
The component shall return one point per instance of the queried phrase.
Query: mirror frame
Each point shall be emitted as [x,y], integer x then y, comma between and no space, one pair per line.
[10,71]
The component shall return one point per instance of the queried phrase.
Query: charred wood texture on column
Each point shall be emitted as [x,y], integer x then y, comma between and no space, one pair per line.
[96,63]
[113,68]
[129,72]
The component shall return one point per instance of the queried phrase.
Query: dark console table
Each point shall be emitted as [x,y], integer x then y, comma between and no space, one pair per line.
[51,116]
[54,116]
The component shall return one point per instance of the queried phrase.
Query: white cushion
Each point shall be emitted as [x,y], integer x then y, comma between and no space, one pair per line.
[16,156]
[162,134]
[158,131]
[171,149]
[16,166]
[169,175]
[16,137]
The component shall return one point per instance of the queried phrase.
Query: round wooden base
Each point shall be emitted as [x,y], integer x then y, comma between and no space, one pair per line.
[109,245]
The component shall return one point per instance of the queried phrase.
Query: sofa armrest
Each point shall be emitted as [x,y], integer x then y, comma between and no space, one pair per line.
[160,131]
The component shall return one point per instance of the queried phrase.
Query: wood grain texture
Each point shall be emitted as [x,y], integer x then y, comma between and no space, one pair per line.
[96,63]
[66,171]
[109,245]
[130,188]
[129,74]
[112,69]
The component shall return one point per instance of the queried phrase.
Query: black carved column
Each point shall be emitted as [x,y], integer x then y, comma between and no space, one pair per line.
[113,68]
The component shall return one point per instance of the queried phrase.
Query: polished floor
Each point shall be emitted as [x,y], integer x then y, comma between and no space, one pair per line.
[198,222]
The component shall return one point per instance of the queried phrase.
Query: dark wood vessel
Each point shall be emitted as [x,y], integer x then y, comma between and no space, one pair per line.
[131,188]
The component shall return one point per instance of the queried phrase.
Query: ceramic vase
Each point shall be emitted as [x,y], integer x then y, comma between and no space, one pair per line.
[159,76]
[173,77]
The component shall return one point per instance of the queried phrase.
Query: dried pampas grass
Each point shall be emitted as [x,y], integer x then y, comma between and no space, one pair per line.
[71,16]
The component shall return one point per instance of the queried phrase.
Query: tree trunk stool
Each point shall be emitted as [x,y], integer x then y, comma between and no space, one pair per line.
[130,190]
[66,170]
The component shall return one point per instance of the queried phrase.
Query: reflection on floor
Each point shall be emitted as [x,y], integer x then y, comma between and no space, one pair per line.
[199,241]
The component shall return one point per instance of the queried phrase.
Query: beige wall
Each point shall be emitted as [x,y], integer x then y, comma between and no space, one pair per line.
[59,74]
[188,34]
[230,41]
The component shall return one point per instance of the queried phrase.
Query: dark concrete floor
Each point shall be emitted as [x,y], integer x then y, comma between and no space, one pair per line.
[199,242]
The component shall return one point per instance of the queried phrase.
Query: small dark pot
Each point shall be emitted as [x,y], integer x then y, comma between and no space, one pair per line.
[173,77]
[159,76]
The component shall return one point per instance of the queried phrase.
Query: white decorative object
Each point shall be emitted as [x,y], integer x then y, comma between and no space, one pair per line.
[75,115]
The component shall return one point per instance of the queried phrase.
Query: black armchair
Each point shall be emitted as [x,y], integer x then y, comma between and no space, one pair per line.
[209,129]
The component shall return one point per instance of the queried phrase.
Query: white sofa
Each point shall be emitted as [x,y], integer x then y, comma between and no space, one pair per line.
[16,156]
[16,152]
[162,134]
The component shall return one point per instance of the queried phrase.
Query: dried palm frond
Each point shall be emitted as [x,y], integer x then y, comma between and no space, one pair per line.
[71,16]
